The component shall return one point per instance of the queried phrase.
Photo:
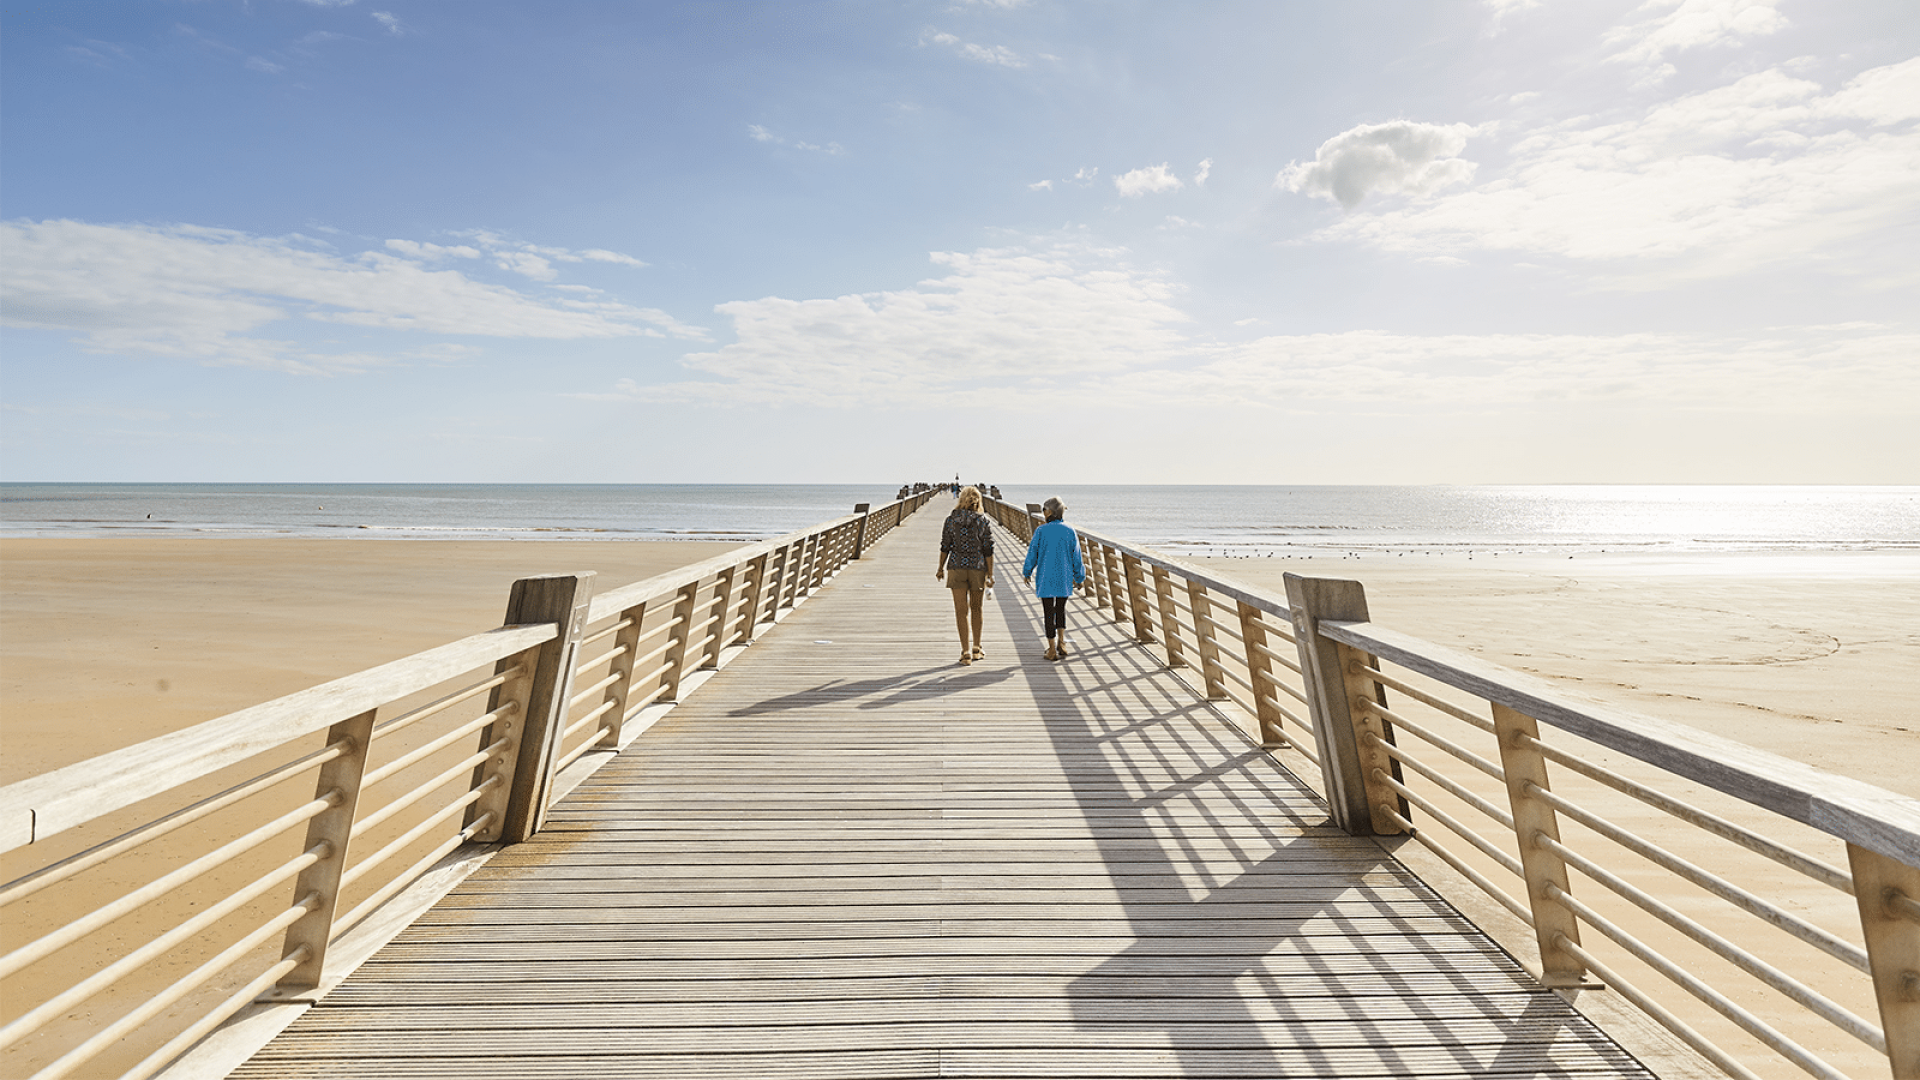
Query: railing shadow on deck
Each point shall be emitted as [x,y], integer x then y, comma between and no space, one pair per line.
[1257,865]
[1310,675]
[253,858]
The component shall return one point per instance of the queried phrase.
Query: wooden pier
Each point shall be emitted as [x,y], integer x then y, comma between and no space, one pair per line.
[848,856]
[750,818]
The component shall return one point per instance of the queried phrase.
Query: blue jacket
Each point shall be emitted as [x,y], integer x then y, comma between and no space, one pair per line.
[1055,550]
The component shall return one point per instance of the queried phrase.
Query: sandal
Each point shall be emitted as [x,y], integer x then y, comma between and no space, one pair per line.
[966,658]
[978,655]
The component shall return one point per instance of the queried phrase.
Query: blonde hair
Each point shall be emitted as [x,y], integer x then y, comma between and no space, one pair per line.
[970,498]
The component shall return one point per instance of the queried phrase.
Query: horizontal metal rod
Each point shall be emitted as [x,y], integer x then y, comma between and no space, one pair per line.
[233,1003]
[59,939]
[1428,735]
[366,866]
[1791,988]
[1401,755]
[22,887]
[1847,953]
[1453,824]
[1666,1019]
[1486,884]
[464,765]
[1707,995]
[442,742]
[37,1017]
[441,705]
[1693,815]
[1423,697]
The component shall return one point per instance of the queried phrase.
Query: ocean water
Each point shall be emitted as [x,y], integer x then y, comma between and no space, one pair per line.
[1190,519]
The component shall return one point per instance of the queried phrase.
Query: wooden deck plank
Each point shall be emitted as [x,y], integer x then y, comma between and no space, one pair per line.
[847,856]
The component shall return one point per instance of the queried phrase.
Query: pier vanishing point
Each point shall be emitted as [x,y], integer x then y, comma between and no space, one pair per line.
[749,819]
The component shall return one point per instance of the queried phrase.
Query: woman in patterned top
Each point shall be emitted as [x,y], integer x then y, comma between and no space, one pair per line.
[966,549]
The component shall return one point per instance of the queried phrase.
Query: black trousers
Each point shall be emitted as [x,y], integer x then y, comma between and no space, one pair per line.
[1055,610]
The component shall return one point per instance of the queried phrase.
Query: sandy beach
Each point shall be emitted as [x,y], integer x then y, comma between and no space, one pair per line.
[1813,657]
[104,643]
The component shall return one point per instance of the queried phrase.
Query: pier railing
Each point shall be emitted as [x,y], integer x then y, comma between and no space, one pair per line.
[240,850]
[1463,740]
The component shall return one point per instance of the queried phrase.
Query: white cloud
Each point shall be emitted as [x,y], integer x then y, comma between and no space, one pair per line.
[762,134]
[605,256]
[525,263]
[1000,322]
[417,250]
[1677,25]
[998,55]
[1063,325]
[1762,170]
[533,260]
[1149,180]
[1085,174]
[1803,370]
[265,67]
[200,294]
[1398,156]
[1040,185]
[1206,170]
[391,22]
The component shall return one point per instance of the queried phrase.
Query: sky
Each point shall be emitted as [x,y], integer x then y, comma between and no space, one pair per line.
[1066,241]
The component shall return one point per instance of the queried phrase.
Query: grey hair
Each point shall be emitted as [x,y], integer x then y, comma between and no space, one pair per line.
[1054,509]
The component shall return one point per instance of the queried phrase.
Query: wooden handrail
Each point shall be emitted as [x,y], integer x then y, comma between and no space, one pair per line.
[41,806]
[1857,812]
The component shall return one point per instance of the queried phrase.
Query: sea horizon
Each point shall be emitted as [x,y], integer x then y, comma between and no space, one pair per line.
[1200,520]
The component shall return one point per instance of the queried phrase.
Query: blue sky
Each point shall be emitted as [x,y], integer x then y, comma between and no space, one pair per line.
[1480,241]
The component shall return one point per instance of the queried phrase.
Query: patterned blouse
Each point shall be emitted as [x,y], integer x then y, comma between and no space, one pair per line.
[967,540]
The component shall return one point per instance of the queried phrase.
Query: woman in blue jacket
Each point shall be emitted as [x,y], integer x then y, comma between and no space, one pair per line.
[1055,553]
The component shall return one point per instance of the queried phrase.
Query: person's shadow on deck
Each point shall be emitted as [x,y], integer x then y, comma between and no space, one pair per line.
[883,691]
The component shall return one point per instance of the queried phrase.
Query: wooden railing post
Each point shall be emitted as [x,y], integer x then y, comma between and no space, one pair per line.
[756,595]
[860,538]
[1340,726]
[550,598]
[334,828]
[1203,632]
[1090,558]
[1888,893]
[1137,597]
[677,639]
[1169,617]
[626,643]
[1116,590]
[1526,768]
[776,581]
[722,609]
[1253,633]
[822,557]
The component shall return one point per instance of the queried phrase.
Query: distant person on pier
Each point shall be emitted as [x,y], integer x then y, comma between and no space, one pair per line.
[1055,554]
[966,564]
